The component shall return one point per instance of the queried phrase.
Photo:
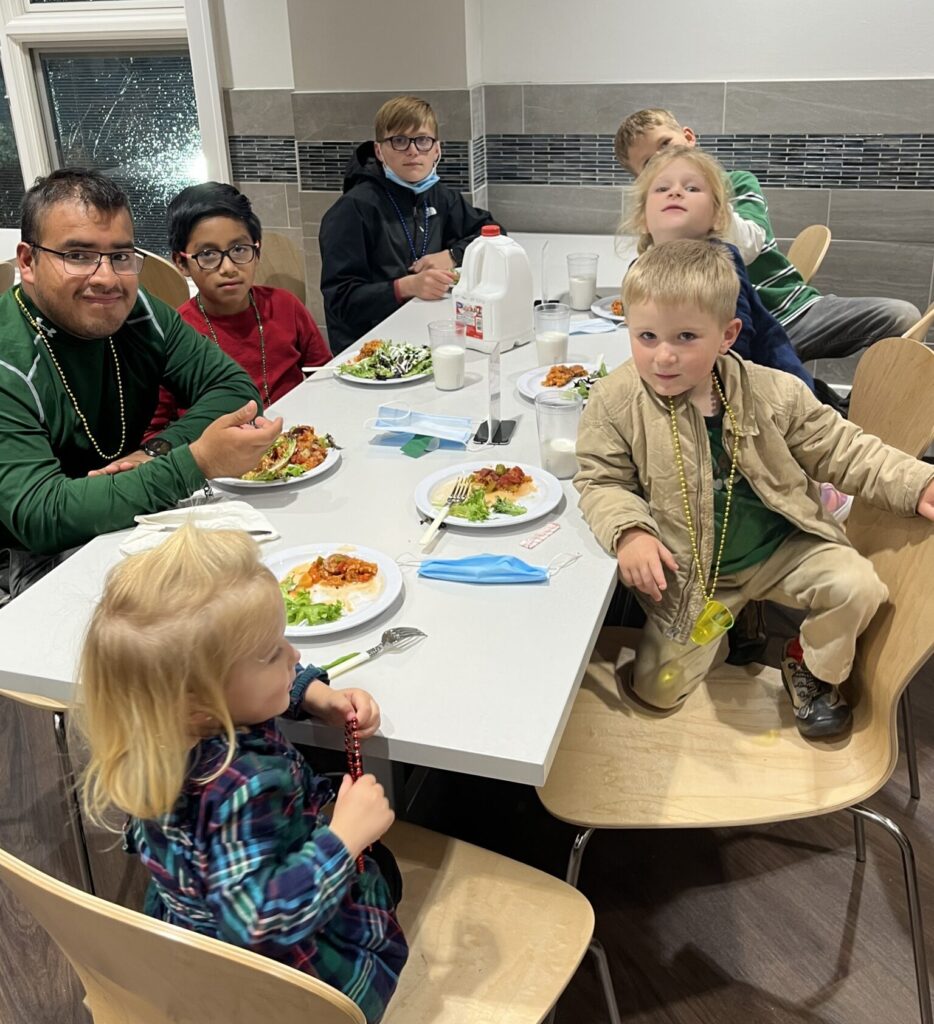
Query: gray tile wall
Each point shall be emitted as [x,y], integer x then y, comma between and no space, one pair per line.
[858,156]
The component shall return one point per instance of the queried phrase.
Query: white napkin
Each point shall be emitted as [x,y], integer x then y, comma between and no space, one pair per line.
[596,325]
[222,515]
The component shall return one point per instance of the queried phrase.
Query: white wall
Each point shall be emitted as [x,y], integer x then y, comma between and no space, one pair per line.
[366,45]
[253,47]
[704,40]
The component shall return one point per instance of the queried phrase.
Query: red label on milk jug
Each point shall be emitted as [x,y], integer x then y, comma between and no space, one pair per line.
[471,316]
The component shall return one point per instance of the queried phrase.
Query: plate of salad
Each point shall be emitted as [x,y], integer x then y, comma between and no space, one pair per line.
[296,454]
[330,587]
[501,494]
[386,362]
[579,377]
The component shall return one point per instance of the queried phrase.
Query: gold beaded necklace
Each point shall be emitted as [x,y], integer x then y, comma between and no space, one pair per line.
[74,401]
[262,337]
[712,608]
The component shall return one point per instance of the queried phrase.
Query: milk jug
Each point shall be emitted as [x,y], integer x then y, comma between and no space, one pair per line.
[493,298]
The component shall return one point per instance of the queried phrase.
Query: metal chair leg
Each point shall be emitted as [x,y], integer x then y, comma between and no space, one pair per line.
[914,905]
[597,951]
[859,834]
[74,804]
[911,749]
[577,854]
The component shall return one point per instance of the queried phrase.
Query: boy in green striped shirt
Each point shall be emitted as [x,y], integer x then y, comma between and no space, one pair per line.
[819,326]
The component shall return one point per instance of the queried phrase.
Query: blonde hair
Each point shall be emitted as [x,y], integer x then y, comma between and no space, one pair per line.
[404,114]
[633,223]
[636,125]
[686,272]
[162,641]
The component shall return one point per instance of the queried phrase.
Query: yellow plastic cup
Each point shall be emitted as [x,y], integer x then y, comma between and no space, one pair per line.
[712,623]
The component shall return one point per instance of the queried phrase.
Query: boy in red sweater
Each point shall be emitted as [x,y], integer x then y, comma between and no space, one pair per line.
[216,240]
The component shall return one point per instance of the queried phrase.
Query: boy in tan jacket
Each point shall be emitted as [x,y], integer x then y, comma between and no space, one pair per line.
[697,471]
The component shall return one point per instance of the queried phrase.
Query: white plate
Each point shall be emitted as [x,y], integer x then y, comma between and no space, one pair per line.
[539,503]
[530,384]
[282,562]
[604,308]
[349,377]
[331,459]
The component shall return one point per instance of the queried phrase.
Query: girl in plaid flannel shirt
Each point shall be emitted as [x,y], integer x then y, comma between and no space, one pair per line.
[183,673]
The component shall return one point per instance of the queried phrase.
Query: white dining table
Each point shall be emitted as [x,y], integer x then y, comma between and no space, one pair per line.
[489,689]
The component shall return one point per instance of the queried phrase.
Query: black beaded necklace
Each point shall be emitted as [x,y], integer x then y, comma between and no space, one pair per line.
[408,234]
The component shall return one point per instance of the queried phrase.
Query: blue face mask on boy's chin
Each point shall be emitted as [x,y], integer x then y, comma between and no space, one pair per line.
[418,187]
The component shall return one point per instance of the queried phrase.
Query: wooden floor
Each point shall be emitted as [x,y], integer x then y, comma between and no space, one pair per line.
[776,924]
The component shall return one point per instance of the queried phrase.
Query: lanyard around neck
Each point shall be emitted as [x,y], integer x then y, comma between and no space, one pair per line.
[405,227]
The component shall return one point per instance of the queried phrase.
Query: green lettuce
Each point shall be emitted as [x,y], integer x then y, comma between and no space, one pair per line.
[300,610]
[474,509]
[508,508]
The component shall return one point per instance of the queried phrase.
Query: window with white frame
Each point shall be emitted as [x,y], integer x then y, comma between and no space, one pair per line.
[128,87]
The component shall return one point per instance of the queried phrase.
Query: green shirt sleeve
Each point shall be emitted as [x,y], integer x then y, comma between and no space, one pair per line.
[203,378]
[749,202]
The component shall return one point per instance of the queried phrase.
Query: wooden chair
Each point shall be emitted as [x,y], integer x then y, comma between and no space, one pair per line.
[808,250]
[492,941]
[280,265]
[59,713]
[919,331]
[160,277]
[7,275]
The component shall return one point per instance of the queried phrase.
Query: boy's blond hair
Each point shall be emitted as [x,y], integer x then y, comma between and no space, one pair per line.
[404,114]
[636,125]
[686,272]
[170,626]
[633,222]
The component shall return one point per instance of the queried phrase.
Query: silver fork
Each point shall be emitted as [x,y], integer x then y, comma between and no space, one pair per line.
[460,493]
[396,638]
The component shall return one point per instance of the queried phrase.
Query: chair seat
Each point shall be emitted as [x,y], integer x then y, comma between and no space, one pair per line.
[731,755]
[491,940]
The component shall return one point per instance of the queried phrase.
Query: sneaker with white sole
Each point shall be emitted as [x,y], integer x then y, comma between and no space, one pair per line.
[836,502]
[820,709]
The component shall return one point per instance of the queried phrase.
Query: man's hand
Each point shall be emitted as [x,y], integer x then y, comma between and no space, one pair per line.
[433,261]
[233,444]
[926,502]
[428,284]
[641,558]
[130,461]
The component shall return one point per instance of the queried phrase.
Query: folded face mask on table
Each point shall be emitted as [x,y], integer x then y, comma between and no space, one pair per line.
[397,419]
[483,569]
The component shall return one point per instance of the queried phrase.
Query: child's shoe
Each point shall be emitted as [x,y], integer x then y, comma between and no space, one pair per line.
[836,502]
[820,709]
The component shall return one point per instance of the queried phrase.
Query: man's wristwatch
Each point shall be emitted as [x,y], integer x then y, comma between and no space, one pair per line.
[157,446]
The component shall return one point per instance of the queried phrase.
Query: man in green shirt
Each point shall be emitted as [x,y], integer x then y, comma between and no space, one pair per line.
[82,355]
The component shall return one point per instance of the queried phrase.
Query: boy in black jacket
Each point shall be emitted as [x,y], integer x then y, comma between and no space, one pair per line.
[397,232]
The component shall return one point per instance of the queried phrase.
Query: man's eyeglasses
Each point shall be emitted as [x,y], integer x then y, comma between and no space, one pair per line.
[400,143]
[84,263]
[211,259]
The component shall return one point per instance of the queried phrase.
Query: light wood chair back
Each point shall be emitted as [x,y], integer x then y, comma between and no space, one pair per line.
[160,277]
[7,275]
[35,700]
[892,394]
[491,941]
[919,331]
[808,250]
[281,265]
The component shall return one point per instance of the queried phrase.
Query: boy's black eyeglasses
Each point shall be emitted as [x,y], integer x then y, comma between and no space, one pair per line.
[211,259]
[84,263]
[400,143]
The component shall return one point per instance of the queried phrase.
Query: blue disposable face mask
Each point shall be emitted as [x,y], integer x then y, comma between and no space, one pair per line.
[490,569]
[418,187]
[402,420]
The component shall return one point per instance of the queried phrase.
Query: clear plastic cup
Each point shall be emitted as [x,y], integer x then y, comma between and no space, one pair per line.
[582,279]
[557,414]
[552,323]
[448,353]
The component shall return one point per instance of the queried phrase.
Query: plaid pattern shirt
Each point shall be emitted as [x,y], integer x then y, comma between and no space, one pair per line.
[248,858]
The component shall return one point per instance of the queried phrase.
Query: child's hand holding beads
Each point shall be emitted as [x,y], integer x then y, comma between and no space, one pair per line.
[336,707]
[361,814]
[642,559]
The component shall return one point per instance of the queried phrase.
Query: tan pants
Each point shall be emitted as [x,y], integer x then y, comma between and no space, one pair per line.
[837,587]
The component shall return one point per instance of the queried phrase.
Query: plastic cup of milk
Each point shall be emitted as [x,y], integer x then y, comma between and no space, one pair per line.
[552,322]
[448,342]
[557,414]
[582,279]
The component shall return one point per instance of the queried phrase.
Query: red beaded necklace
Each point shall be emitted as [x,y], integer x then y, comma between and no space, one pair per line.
[354,762]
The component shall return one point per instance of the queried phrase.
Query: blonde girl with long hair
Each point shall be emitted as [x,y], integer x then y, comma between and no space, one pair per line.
[183,672]
[683,193]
